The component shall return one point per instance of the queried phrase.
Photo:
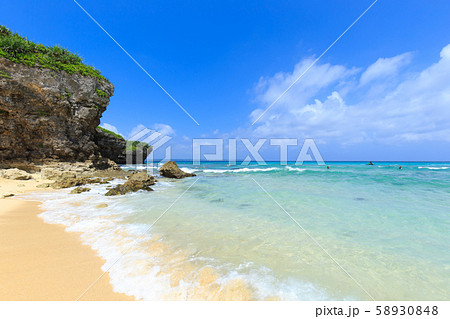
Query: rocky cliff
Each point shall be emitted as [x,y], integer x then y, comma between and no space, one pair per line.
[116,147]
[49,114]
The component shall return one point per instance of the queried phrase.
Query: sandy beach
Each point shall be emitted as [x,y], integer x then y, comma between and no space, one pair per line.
[42,261]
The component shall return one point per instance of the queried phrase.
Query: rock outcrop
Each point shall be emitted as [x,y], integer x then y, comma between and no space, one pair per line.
[69,180]
[171,170]
[56,170]
[15,173]
[137,181]
[51,104]
[49,114]
[116,148]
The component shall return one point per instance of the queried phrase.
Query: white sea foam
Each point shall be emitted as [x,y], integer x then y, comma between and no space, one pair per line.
[139,166]
[188,170]
[144,266]
[433,167]
[248,170]
[241,170]
[295,169]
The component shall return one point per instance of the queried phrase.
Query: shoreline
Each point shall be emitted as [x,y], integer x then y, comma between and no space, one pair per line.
[42,261]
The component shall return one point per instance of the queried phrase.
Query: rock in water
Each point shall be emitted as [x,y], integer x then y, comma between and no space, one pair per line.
[80,190]
[136,181]
[171,170]
[16,174]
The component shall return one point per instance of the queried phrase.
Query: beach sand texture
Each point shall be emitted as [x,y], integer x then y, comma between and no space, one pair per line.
[44,262]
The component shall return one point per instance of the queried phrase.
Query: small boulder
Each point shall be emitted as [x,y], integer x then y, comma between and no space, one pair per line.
[68,181]
[71,180]
[16,174]
[171,170]
[80,190]
[141,177]
[136,181]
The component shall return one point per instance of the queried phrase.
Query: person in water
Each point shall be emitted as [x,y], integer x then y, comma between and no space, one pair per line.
[371,163]
[328,167]
[399,167]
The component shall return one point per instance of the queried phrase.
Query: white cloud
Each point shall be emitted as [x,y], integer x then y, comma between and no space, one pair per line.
[111,128]
[135,130]
[414,109]
[385,67]
[164,129]
[319,77]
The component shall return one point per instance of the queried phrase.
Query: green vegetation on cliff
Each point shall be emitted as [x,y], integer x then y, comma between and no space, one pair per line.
[20,50]
[5,75]
[110,132]
[131,145]
[101,93]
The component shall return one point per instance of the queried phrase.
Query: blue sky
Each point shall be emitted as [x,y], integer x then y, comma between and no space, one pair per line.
[382,92]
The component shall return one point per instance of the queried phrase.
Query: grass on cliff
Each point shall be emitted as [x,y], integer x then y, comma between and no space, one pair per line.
[110,132]
[20,50]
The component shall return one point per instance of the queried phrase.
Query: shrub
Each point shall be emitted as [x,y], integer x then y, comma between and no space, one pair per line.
[101,93]
[134,145]
[20,50]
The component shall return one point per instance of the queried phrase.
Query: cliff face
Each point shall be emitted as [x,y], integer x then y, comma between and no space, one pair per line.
[49,114]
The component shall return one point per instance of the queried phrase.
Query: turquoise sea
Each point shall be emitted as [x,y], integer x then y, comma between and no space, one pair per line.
[360,232]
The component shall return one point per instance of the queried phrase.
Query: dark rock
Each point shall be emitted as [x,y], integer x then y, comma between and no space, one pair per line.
[80,190]
[115,148]
[171,170]
[110,146]
[136,181]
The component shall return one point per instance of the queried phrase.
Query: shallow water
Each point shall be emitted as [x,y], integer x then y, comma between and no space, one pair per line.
[225,238]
